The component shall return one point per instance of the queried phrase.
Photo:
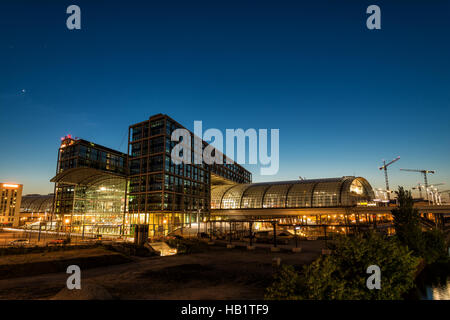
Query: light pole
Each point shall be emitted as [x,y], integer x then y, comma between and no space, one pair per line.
[198,223]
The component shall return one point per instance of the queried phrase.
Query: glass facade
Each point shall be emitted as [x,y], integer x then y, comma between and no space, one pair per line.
[345,191]
[98,207]
[89,186]
[76,153]
[161,193]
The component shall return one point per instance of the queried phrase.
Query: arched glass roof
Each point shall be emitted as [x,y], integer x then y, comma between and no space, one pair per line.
[37,203]
[232,197]
[276,195]
[253,196]
[332,192]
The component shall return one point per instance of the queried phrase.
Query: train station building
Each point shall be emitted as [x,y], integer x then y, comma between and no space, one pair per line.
[99,190]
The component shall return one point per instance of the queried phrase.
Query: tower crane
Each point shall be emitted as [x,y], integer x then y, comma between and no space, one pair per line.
[424,172]
[384,166]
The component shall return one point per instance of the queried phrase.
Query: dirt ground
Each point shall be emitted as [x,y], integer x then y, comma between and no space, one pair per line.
[52,256]
[216,273]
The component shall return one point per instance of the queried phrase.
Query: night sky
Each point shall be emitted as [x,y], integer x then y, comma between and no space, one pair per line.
[344,97]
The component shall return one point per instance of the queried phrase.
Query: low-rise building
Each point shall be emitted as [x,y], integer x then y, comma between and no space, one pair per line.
[10,199]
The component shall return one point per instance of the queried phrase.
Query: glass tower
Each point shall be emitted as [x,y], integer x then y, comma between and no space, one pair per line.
[90,185]
[165,195]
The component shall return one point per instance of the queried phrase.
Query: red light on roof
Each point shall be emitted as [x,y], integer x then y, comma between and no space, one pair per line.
[69,136]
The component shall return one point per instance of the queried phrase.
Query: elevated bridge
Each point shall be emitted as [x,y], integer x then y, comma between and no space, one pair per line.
[438,216]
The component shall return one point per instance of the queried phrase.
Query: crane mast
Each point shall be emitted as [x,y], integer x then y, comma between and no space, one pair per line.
[424,172]
[384,167]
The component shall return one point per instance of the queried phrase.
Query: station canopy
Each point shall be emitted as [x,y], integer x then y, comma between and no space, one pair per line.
[37,203]
[85,176]
[331,192]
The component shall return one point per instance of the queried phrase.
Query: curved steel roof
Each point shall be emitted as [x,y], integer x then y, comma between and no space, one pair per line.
[84,176]
[37,203]
[331,192]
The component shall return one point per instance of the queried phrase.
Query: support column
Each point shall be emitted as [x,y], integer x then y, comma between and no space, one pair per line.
[230,245]
[250,227]
[125,208]
[274,248]
[297,248]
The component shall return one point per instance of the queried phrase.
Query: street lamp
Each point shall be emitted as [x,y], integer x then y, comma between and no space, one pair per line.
[198,222]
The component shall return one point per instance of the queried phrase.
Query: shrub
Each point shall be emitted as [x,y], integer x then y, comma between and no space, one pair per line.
[435,246]
[286,284]
[342,275]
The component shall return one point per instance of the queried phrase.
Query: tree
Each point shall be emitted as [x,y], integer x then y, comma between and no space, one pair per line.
[407,222]
[435,246]
[342,275]
[429,245]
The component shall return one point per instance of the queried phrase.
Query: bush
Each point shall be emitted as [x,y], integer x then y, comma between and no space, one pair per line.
[342,275]
[286,284]
[435,246]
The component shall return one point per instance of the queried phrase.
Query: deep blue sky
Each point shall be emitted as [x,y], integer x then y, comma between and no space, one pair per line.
[343,97]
